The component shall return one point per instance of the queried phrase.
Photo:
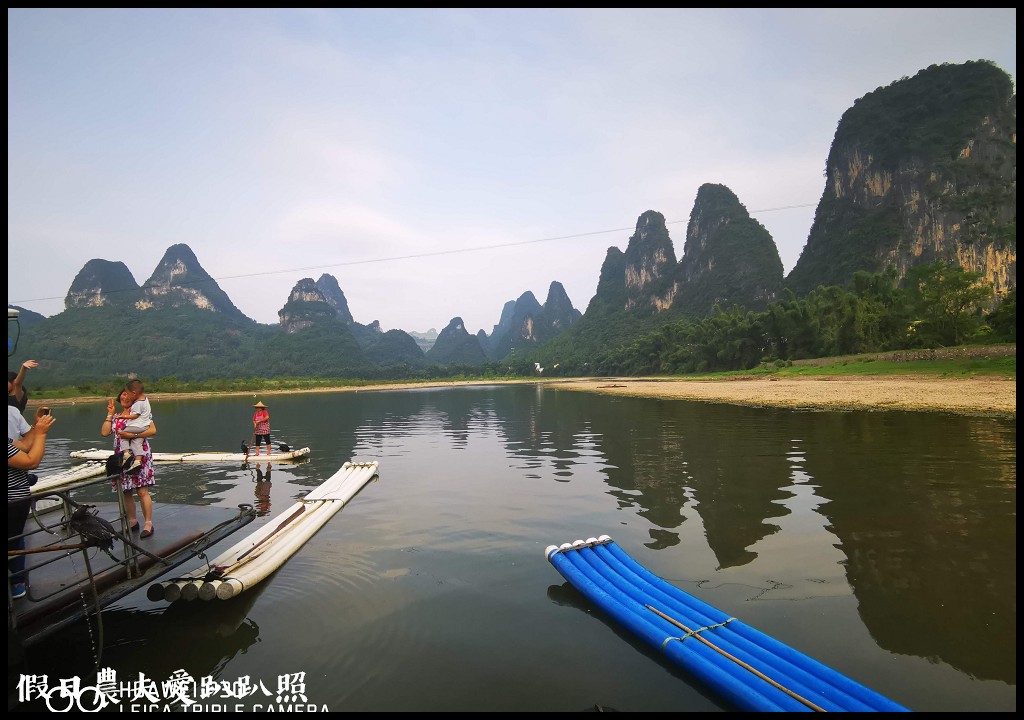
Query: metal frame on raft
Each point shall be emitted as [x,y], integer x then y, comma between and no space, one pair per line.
[77,571]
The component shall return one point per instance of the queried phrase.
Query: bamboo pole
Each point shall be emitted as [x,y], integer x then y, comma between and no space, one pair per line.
[735,659]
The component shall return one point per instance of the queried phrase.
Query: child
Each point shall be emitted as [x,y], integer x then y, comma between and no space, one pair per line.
[139,420]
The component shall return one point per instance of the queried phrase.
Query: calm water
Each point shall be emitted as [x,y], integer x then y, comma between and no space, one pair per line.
[882,544]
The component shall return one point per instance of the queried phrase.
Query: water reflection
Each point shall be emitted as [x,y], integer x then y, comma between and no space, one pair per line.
[929,537]
[261,489]
[658,457]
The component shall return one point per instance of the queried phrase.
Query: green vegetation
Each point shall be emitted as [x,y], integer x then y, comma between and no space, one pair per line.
[90,351]
[930,116]
[877,364]
[935,148]
[940,306]
[867,365]
[736,262]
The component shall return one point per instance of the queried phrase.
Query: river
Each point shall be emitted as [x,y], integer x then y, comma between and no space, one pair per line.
[880,543]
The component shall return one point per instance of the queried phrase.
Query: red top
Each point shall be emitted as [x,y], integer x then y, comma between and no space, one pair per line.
[262,420]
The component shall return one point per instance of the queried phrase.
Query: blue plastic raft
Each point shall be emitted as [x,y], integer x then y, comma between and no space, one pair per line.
[748,668]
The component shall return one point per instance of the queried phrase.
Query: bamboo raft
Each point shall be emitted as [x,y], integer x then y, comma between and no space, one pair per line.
[250,561]
[232,457]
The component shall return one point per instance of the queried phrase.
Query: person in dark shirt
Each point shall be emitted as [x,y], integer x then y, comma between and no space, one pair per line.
[22,455]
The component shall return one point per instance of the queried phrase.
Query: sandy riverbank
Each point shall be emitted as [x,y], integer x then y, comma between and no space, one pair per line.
[969,396]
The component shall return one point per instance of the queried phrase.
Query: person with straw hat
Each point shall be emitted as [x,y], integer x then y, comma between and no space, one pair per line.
[261,428]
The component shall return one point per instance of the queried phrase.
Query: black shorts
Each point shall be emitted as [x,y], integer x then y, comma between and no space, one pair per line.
[262,438]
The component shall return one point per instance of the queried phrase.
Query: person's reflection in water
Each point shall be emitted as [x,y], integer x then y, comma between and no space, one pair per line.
[262,490]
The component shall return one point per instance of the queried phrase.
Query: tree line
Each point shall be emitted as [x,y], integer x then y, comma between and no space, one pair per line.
[938,305]
[187,349]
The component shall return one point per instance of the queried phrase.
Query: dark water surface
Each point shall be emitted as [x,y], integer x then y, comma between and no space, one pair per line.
[882,544]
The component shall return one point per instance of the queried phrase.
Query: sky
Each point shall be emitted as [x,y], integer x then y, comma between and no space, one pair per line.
[437,162]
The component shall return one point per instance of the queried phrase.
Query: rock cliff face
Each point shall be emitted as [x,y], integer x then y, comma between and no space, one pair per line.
[921,170]
[516,326]
[650,262]
[328,286]
[526,323]
[559,313]
[180,280]
[306,306]
[100,283]
[610,296]
[728,259]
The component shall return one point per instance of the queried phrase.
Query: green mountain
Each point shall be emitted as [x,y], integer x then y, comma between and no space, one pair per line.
[525,323]
[729,258]
[394,350]
[921,170]
[180,281]
[102,282]
[455,346]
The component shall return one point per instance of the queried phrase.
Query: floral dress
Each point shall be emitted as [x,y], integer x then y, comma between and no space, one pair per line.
[262,420]
[145,477]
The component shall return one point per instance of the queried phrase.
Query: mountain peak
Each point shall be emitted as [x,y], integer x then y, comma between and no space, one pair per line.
[729,258]
[306,306]
[454,345]
[179,280]
[102,282]
[650,264]
[328,285]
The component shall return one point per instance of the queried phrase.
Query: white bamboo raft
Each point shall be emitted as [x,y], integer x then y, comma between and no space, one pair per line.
[93,468]
[248,562]
[210,457]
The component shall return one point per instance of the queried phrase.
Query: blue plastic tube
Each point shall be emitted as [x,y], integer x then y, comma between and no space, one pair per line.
[623,588]
[848,686]
[788,676]
[733,689]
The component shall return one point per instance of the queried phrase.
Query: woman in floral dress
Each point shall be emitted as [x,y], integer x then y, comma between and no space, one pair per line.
[141,480]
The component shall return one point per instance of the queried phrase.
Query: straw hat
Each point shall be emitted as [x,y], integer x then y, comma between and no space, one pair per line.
[259,404]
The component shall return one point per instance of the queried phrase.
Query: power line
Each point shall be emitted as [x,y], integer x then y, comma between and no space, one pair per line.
[413,256]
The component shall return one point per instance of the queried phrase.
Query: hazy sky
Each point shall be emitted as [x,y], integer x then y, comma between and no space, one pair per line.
[283,144]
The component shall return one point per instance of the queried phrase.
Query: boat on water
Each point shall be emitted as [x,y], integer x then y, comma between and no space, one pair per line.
[201,457]
[750,669]
[82,557]
[95,464]
[254,558]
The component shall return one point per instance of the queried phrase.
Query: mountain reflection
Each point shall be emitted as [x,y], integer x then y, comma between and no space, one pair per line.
[921,504]
[929,532]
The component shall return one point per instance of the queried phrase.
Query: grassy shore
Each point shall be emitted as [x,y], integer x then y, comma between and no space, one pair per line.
[973,381]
